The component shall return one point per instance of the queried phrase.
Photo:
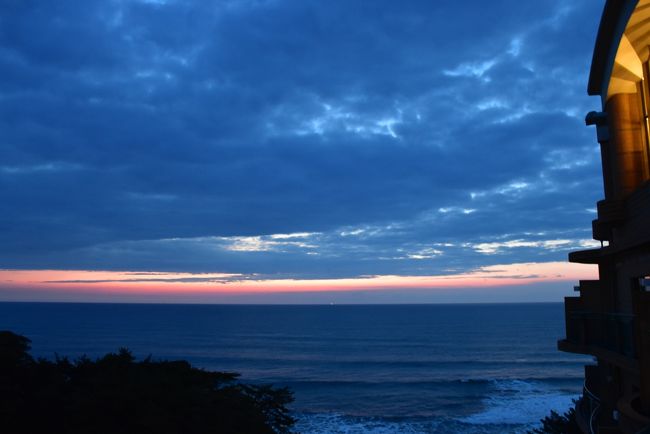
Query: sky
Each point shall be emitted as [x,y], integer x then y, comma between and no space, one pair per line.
[295,151]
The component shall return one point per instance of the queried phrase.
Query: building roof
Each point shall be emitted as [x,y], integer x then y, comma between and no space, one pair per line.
[612,26]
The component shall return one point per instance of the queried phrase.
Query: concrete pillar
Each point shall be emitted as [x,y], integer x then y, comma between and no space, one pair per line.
[627,154]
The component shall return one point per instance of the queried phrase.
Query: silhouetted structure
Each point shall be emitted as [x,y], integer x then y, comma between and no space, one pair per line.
[611,318]
[116,394]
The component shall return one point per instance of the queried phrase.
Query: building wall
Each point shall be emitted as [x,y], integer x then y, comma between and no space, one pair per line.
[611,318]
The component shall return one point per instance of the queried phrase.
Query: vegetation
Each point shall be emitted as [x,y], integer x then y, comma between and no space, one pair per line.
[559,424]
[116,394]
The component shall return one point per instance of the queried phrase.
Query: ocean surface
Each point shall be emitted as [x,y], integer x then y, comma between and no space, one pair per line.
[353,369]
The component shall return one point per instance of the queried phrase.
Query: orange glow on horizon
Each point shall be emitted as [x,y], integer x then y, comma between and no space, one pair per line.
[112,282]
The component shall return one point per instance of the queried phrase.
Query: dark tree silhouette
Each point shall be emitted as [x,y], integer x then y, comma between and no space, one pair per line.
[14,350]
[116,394]
[556,423]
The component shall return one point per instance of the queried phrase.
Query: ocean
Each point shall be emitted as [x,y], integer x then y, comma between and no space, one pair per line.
[472,368]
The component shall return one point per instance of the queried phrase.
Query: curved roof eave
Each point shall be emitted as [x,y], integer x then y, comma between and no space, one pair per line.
[612,26]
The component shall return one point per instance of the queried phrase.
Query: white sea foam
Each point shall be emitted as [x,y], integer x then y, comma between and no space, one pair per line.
[338,424]
[330,423]
[520,402]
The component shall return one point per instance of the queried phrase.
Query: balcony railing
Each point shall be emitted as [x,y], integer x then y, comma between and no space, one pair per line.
[609,331]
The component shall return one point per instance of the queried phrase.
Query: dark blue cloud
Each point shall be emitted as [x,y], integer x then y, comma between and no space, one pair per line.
[147,134]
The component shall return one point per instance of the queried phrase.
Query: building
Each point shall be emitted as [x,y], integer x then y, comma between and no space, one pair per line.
[610,319]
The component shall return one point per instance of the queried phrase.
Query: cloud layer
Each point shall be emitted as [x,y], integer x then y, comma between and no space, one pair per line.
[295,139]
